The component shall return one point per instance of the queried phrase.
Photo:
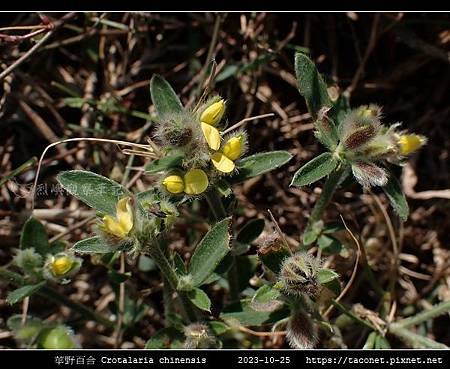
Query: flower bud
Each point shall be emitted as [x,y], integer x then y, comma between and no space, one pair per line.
[298,275]
[409,143]
[58,338]
[234,147]
[28,260]
[369,174]
[213,113]
[61,266]
[173,184]
[198,336]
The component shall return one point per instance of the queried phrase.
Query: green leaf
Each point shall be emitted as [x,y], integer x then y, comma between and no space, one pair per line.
[34,235]
[315,169]
[179,264]
[241,313]
[250,231]
[329,279]
[97,191]
[200,299]
[312,232]
[265,299]
[165,338]
[209,252]
[164,97]
[117,277]
[146,264]
[22,292]
[218,327]
[329,245]
[163,164]
[370,342]
[260,163]
[394,192]
[381,342]
[311,84]
[92,245]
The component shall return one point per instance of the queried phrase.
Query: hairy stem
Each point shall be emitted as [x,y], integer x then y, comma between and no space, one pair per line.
[413,339]
[219,211]
[328,191]
[158,256]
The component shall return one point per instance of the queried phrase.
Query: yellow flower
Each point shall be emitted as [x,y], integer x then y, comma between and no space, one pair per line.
[121,225]
[173,184]
[410,143]
[61,265]
[213,113]
[195,181]
[232,150]
[212,135]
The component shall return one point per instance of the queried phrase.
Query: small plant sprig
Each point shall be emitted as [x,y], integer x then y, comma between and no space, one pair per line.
[357,142]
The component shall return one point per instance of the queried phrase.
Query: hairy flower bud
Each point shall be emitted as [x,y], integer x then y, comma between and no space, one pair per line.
[299,275]
[301,331]
[198,336]
[61,267]
[173,184]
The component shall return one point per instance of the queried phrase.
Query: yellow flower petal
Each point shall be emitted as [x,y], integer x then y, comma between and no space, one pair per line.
[124,214]
[233,148]
[173,184]
[213,113]
[212,136]
[112,226]
[222,163]
[196,182]
[61,265]
[410,143]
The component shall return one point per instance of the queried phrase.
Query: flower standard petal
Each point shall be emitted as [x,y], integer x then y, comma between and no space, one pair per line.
[61,265]
[222,162]
[173,184]
[233,147]
[124,214]
[196,182]
[213,113]
[112,226]
[212,135]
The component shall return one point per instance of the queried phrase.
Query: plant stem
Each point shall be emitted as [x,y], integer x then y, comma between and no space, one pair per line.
[219,211]
[55,296]
[350,314]
[435,311]
[413,339]
[158,256]
[328,191]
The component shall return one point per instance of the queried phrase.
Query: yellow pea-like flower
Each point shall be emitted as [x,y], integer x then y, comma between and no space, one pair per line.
[121,225]
[212,135]
[222,163]
[231,151]
[173,184]
[61,265]
[213,113]
[410,143]
[195,182]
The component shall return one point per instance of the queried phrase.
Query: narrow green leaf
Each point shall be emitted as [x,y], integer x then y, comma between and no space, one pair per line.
[381,343]
[329,279]
[163,164]
[92,245]
[200,299]
[34,235]
[164,97]
[241,313]
[370,341]
[265,299]
[97,191]
[260,163]
[329,245]
[209,252]
[315,169]
[311,84]
[250,231]
[22,292]
[394,192]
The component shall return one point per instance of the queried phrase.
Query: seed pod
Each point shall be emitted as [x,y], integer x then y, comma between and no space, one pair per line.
[301,331]
[299,275]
